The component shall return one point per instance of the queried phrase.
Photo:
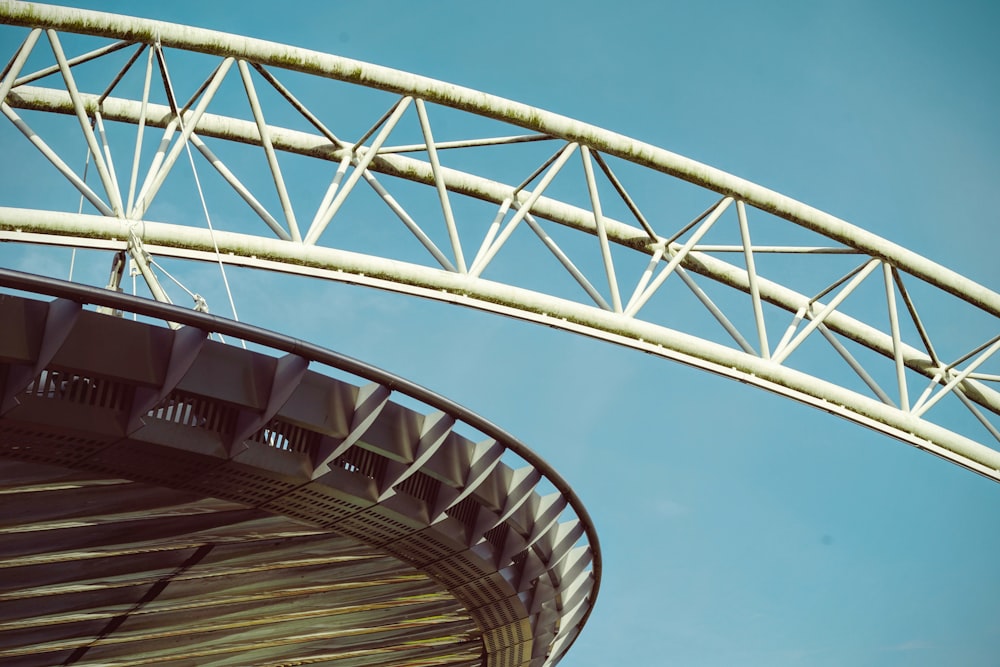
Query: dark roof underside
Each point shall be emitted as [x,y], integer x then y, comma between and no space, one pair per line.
[98,571]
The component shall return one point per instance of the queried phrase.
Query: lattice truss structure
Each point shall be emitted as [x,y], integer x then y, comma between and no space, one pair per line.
[363,174]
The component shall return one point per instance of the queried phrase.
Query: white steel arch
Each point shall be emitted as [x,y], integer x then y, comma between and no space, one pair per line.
[894,391]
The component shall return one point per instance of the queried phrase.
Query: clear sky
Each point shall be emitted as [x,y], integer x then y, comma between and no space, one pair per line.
[738,528]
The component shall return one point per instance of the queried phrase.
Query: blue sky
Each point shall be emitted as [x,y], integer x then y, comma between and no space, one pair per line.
[737,527]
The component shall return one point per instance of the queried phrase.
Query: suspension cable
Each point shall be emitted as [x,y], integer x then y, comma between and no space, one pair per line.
[79,210]
[194,297]
[200,305]
[197,181]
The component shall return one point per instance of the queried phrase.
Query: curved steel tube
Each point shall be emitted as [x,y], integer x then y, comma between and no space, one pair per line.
[174,240]
[492,106]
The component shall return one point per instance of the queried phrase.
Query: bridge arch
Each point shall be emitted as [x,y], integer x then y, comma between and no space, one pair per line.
[757,339]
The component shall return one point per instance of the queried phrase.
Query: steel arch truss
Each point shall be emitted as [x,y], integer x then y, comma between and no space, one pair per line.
[833,320]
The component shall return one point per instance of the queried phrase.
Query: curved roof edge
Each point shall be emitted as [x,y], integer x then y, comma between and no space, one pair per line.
[172,408]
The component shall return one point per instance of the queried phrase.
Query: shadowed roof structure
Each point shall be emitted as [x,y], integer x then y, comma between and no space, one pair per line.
[171,498]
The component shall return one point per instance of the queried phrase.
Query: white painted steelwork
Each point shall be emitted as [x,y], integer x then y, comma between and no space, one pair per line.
[660,250]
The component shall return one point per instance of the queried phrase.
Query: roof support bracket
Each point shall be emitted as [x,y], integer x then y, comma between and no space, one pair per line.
[187,342]
[288,373]
[59,320]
